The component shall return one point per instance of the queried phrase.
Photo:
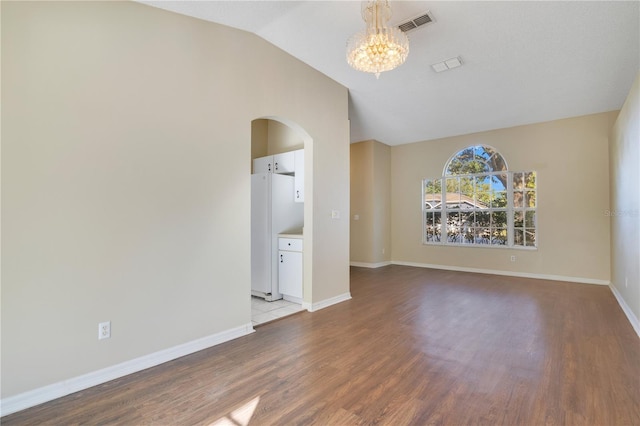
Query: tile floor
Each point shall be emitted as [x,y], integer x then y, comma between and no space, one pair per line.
[263,311]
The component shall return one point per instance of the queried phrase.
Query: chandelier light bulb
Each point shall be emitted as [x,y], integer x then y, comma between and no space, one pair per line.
[379,47]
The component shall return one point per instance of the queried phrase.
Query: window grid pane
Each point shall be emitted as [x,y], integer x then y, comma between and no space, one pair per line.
[432,226]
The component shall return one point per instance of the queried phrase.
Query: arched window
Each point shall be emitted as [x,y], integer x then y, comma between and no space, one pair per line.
[484,203]
[476,159]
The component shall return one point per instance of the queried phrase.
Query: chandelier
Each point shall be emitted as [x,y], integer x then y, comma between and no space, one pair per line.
[378,48]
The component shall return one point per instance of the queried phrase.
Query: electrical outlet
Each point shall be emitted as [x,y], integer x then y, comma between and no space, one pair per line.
[104,330]
[513,258]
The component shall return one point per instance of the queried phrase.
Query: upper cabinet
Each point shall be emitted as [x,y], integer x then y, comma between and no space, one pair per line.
[263,165]
[283,163]
[291,163]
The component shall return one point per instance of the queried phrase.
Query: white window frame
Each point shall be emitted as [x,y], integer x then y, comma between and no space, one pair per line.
[509,210]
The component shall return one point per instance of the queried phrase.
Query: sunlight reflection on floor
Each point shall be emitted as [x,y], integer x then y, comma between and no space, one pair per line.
[240,416]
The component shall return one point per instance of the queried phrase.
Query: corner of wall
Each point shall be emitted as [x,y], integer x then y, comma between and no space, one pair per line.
[624,208]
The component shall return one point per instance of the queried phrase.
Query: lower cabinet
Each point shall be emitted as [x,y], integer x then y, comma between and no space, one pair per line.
[290,267]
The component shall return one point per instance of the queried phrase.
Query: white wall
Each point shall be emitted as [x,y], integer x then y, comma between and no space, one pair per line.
[624,151]
[126,146]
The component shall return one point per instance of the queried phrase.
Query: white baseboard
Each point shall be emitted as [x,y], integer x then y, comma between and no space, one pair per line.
[507,273]
[370,265]
[626,309]
[312,307]
[48,393]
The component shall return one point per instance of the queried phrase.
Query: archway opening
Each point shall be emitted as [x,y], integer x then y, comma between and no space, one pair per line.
[281,218]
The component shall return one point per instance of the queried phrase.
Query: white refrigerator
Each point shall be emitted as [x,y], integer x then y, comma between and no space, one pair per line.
[273,211]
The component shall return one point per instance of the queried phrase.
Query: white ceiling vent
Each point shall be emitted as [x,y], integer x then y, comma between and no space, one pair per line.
[418,21]
[449,64]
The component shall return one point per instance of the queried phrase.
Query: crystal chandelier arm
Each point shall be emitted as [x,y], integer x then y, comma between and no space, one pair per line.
[376,14]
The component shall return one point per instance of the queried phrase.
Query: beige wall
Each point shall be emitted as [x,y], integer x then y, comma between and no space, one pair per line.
[571,158]
[282,138]
[371,202]
[259,139]
[126,146]
[624,152]
[382,206]
[361,231]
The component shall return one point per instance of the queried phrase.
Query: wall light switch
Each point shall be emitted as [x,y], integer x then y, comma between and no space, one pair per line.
[335,214]
[356,217]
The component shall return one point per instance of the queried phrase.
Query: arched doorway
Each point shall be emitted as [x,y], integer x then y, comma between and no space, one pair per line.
[281,213]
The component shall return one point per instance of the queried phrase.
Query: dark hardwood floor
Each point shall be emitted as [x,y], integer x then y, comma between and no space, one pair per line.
[413,347]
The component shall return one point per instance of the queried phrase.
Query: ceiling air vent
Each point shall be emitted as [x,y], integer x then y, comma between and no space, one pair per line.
[416,22]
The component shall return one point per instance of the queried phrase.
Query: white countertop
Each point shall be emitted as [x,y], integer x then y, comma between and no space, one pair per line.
[291,235]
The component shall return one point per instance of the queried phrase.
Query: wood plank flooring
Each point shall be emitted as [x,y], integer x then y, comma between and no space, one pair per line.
[413,347]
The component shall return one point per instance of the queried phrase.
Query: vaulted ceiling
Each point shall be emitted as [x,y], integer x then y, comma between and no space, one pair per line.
[522,62]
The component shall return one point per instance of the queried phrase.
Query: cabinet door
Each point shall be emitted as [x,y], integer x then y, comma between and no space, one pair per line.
[290,273]
[298,190]
[263,164]
[284,163]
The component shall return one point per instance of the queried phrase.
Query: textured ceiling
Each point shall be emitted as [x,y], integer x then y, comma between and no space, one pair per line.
[523,62]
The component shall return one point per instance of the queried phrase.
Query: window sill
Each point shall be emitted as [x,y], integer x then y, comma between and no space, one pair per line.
[489,246]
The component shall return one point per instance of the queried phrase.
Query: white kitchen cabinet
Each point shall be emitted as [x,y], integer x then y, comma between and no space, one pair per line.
[263,164]
[298,182]
[283,163]
[290,268]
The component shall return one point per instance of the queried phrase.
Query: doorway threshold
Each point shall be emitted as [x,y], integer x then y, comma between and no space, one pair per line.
[263,311]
